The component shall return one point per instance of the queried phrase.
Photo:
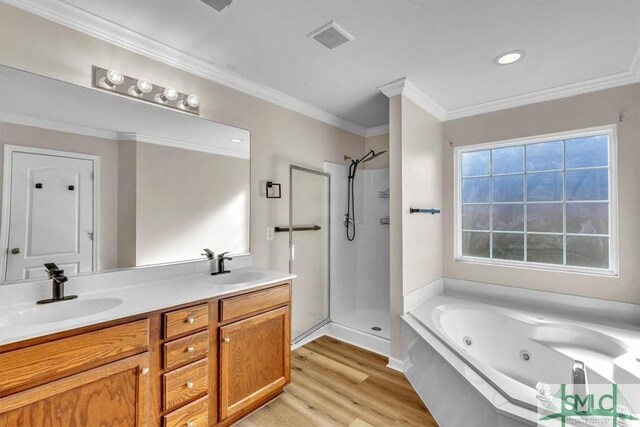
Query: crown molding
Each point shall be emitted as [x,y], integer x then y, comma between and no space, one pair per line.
[404,87]
[607,82]
[378,130]
[100,28]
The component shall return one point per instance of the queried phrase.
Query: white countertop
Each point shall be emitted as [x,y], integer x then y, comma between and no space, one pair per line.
[136,299]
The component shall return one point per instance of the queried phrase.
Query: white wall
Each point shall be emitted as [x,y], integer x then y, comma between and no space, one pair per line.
[578,112]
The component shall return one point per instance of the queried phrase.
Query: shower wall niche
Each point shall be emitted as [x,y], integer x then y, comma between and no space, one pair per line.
[360,268]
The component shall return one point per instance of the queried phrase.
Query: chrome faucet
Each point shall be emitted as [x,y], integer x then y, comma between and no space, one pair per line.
[579,378]
[211,257]
[58,280]
[221,259]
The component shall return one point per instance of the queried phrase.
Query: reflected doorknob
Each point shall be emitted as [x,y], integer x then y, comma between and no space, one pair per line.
[15,251]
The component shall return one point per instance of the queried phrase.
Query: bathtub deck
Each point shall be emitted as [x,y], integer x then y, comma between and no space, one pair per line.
[336,384]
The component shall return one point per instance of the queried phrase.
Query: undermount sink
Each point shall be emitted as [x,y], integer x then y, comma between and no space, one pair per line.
[234,278]
[59,311]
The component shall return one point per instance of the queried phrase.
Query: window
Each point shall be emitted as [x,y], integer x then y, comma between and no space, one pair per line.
[544,202]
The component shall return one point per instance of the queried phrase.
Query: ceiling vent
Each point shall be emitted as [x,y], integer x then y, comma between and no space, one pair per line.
[218,5]
[331,35]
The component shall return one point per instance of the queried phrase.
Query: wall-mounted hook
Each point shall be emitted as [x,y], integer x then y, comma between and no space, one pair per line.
[621,116]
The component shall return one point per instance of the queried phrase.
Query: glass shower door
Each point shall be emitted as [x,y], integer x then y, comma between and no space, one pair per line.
[309,242]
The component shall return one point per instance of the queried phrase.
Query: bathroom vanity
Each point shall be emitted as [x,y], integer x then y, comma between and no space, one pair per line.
[207,362]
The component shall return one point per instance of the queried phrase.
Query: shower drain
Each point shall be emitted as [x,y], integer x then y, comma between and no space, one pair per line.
[376,328]
[525,355]
[467,341]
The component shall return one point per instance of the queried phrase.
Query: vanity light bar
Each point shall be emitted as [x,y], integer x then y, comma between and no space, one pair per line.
[114,81]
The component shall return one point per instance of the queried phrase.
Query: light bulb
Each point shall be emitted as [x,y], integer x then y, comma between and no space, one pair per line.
[168,94]
[142,86]
[114,77]
[193,101]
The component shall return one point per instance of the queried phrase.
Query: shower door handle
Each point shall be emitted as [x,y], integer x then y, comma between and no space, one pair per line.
[293,252]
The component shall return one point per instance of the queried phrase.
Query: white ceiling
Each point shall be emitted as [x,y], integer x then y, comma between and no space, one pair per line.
[445,48]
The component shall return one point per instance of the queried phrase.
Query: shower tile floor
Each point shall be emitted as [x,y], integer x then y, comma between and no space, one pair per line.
[365,320]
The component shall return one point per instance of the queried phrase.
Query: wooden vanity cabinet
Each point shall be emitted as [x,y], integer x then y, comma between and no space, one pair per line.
[209,363]
[254,360]
[115,394]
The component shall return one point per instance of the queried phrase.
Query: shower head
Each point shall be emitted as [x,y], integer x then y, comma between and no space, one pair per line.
[373,156]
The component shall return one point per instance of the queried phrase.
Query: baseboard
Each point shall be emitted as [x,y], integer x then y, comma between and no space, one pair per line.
[320,332]
[396,364]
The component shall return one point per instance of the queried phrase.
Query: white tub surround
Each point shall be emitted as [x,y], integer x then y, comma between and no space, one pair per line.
[140,290]
[503,341]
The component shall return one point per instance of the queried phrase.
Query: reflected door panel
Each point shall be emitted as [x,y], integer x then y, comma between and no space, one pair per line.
[51,215]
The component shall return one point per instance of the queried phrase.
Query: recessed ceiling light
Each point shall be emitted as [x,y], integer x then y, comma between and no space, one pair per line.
[236,140]
[509,57]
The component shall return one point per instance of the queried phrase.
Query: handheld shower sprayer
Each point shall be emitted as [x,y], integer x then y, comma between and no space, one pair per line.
[350,217]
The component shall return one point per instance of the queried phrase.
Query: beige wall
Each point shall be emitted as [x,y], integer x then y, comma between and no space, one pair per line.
[279,136]
[416,181]
[377,143]
[583,111]
[127,212]
[105,149]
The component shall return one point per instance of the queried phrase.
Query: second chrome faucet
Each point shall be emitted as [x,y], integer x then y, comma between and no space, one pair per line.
[217,262]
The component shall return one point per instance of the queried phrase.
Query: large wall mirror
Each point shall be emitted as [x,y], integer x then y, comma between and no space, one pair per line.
[93,181]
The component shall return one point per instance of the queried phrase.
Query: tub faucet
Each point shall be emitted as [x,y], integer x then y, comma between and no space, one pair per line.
[579,378]
[58,280]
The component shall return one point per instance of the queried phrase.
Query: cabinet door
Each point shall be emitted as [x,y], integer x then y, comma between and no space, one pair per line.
[111,395]
[254,360]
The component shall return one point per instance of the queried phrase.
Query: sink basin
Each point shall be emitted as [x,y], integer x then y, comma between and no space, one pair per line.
[237,278]
[59,311]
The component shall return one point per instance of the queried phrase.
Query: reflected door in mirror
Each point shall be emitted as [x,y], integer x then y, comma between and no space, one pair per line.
[50,213]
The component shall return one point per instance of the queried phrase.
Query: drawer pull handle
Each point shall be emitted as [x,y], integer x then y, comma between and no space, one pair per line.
[227,340]
[191,349]
[145,371]
[189,385]
[190,320]
[190,424]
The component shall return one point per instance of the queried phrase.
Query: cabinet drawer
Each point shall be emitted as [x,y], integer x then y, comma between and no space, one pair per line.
[186,350]
[32,366]
[185,384]
[187,320]
[254,302]
[196,413]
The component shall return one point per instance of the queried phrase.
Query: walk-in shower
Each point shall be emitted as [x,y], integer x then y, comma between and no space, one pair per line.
[350,217]
[360,265]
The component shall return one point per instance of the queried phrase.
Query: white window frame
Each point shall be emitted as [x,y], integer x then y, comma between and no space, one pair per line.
[611,132]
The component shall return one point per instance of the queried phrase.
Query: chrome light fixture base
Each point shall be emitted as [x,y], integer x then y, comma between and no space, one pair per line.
[143,90]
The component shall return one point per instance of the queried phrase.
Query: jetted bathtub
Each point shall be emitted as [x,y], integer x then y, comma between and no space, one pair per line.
[515,349]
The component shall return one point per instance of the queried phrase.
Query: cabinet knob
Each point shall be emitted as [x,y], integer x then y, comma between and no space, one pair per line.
[15,251]
[190,424]
[227,340]
[189,385]
[191,349]
[145,371]
[190,320]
